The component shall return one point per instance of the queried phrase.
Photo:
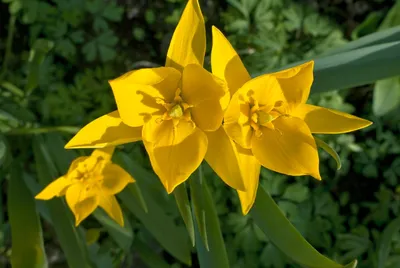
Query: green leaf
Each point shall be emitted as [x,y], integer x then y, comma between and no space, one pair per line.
[357,67]
[170,236]
[196,191]
[148,256]
[296,192]
[392,18]
[27,239]
[36,56]
[284,235]
[381,37]
[368,26]
[216,256]
[182,200]
[330,151]
[123,236]
[385,240]
[386,95]
[70,240]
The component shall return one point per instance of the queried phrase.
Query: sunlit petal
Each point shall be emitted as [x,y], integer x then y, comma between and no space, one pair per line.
[81,201]
[107,130]
[226,63]
[237,121]
[289,149]
[137,92]
[188,44]
[223,159]
[115,179]
[55,188]
[250,168]
[111,206]
[167,132]
[104,153]
[296,82]
[327,121]
[174,164]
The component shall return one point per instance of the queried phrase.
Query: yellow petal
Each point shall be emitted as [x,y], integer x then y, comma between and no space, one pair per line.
[222,157]
[167,132]
[76,162]
[115,179]
[174,164]
[296,82]
[111,206]
[226,63]
[55,188]
[289,149]
[136,93]
[327,121]
[250,167]
[237,121]
[203,91]
[81,202]
[188,44]
[265,89]
[104,153]
[107,130]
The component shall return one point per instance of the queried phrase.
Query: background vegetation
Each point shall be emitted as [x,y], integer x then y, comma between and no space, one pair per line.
[57,56]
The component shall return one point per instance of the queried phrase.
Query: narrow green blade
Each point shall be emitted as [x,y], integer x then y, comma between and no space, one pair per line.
[268,216]
[196,190]
[171,237]
[148,256]
[182,201]
[123,236]
[216,256]
[27,239]
[330,151]
[71,242]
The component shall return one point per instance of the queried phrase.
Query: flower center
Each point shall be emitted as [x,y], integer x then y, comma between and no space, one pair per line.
[175,110]
[89,171]
[263,116]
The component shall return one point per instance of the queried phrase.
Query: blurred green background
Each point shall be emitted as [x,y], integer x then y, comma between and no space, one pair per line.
[56,57]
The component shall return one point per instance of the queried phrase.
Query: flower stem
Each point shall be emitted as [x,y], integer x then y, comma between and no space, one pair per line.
[10,36]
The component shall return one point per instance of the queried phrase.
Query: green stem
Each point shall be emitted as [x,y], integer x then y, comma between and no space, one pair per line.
[10,35]
[40,130]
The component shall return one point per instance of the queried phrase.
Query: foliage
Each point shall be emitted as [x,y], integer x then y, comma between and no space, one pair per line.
[350,214]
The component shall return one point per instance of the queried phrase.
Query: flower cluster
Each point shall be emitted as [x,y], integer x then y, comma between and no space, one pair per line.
[185,114]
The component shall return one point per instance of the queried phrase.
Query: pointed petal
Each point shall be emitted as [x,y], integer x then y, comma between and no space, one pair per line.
[188,44]
[81,202]
[167,132]
[237,121]
[296,82]
[204,92]
[136,93]
[112,208]
[226,63]
[107,130]
[327,121]
[251,168]
[289,149]
[174,164]
[55,188]
[115,179]
[104,153]
[222,157]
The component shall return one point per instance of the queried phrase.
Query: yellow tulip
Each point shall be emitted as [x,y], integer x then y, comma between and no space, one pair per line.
[269,121]
[91,181]
[170,108]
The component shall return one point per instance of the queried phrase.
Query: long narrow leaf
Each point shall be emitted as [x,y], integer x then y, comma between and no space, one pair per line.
[171,237]
[385,240]
[71,242]
[182,201]
[26,232]
[216,256]
[268,216]
[150,258]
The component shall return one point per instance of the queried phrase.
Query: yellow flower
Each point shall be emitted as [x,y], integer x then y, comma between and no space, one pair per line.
[91,181]
[269,121]
[169,108]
